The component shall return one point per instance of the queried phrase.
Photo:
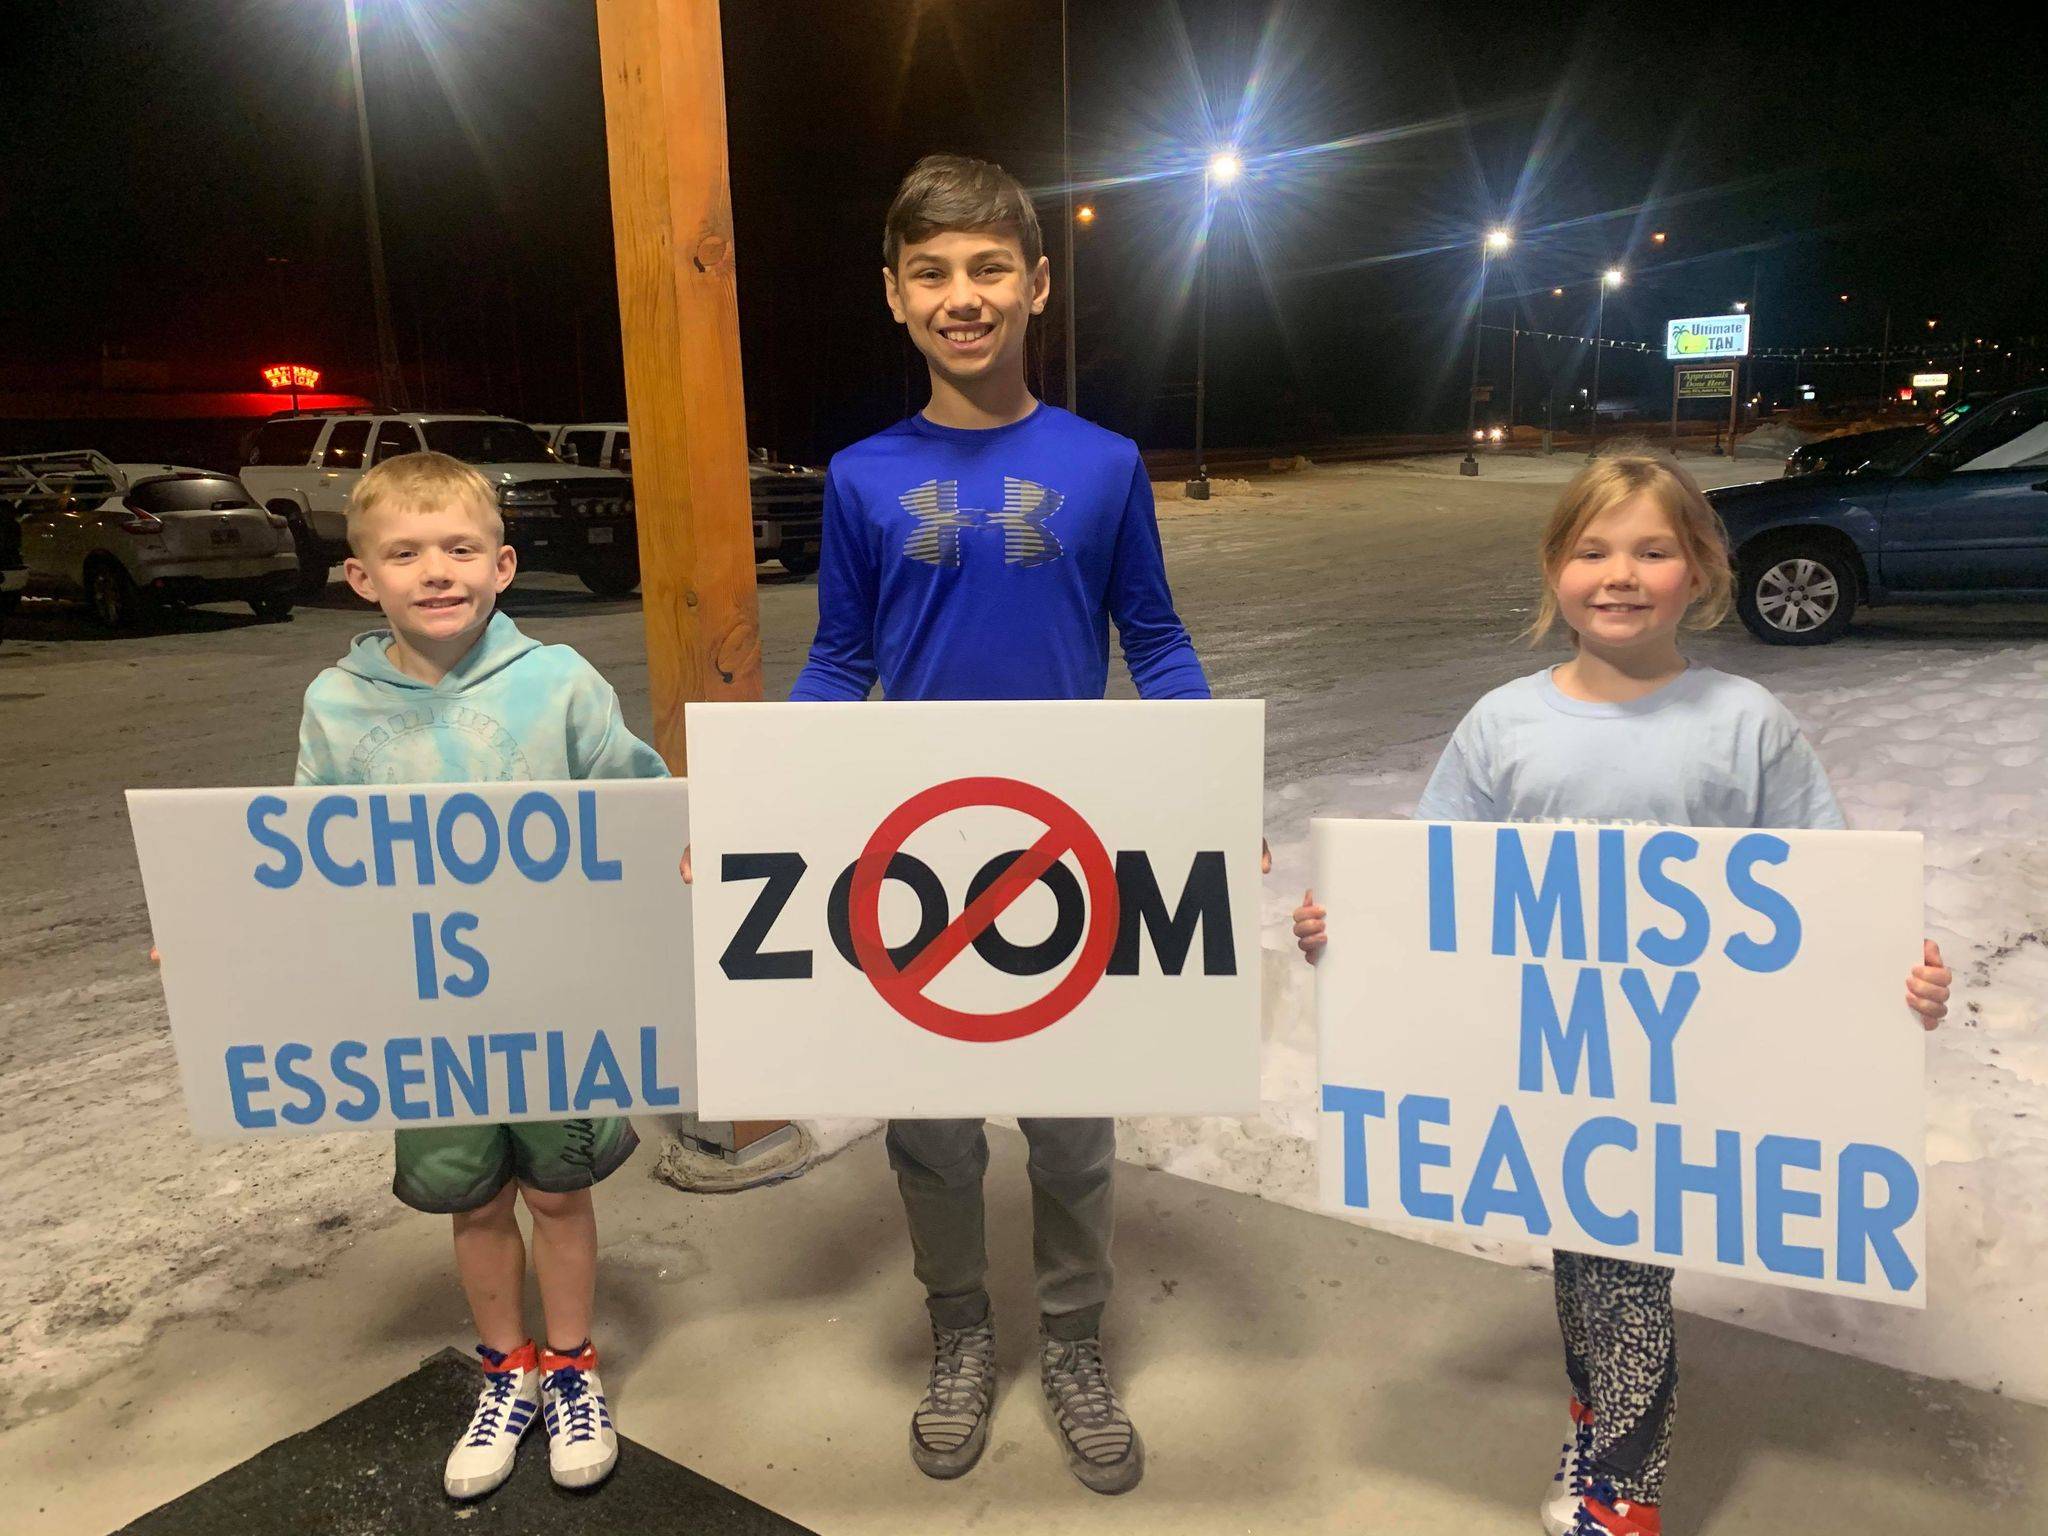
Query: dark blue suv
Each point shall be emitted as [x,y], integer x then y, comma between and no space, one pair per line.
[1957,513]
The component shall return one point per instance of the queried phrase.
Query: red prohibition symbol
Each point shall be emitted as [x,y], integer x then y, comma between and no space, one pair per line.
[904,990]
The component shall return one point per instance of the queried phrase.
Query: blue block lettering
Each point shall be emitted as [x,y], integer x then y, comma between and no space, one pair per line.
[594,868]
[1504,1153]
[1721,1180]
[244,1081]
[1656,946]
[426,965]
[515,1049]
[286,1062]
[368,1097]
[1878,1226]
[1354,1104]
[1661,1024]
[1581,1039]
[1417,1110]
[414,828]
[1443,893]
[1778,952]
[403,1078]
[1774,1202]
[454,808]
[326,809]
[1613,849]
[601,1078]
[453,926]
[654,1093]
[1558,904]
[285,873]
[539,803]
[1600,1131]
[452,1074]
[558,1074]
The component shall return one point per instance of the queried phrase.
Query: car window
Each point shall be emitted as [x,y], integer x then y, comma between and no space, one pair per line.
[622,453]
[487,442]
[190,493]
[285,442]
[394,438]
[583,447]
[2013,438]
[345,445]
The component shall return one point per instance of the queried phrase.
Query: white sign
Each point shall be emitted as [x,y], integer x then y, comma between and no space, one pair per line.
[1687,1048]
[374,958]
[1930,381]
[955,909]
[1691,341]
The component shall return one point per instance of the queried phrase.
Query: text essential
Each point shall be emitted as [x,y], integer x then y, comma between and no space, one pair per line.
[390,956]
[1686,1047]
[957,909]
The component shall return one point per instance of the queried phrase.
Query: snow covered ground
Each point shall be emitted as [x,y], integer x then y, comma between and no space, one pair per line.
[1369,604]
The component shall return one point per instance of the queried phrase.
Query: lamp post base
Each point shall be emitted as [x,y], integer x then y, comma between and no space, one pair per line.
[1468,465]
[1198,488]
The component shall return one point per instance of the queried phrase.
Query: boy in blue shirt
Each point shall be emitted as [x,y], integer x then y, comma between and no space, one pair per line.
[978,550]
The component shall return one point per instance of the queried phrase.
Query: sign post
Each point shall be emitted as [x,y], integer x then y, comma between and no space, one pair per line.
[1707,338]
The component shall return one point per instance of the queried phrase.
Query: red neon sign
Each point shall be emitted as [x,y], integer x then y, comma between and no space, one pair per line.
[293,376]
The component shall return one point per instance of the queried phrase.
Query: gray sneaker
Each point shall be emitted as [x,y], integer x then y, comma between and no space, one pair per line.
[950,1427]
[1102,1444]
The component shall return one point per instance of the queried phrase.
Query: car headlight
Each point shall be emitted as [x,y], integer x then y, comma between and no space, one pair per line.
[513,497]
[1496,435]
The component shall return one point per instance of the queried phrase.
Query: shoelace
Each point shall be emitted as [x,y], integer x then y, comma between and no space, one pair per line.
[575,1408]
[496,1399]
[1078,1378]
[960,1373]
[1576,1465]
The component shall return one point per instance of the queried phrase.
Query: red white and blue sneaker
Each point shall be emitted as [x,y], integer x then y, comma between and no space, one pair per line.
[1574,1474]
[505,1410]
[1600,1513]
[582,1446]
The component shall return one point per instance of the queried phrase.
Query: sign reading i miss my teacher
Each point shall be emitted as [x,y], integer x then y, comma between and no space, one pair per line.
[381,957]
[1683,1047]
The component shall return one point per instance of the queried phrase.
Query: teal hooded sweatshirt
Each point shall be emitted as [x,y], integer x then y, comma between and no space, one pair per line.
[511,709]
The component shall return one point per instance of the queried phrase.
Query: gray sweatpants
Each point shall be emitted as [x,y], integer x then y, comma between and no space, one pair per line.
[939,1166]
[1621,1352]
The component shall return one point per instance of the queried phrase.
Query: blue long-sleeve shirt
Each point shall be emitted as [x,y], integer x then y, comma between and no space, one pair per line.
[987,564]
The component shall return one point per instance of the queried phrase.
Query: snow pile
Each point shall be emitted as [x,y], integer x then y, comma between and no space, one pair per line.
[1772,440]
[1952,743]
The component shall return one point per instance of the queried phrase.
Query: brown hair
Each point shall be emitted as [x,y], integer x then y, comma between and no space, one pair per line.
[422,482]
[1625,470]
[948,192]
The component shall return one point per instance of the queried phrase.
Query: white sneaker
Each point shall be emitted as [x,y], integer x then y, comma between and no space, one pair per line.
[582,1446]
[1574,1475]
[505,1410]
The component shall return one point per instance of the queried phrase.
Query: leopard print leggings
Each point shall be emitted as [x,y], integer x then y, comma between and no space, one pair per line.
[1621,1353]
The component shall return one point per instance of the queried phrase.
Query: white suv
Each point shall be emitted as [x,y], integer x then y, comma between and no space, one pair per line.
[559,517]
[133,537]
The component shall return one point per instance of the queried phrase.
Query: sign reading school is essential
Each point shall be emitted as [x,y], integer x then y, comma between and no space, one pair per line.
[953,909]
[1681,1047]
[1709,336]
[1706,383]
[375,958]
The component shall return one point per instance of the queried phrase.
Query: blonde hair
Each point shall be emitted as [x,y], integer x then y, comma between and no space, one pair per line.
[422,482]
[1623,471]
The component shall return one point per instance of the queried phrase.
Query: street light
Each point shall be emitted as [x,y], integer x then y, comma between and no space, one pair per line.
[1657,238]
[1611,278]
[1085,214]
[390,382]
[1742,306]
[1499,238]
[1221,170]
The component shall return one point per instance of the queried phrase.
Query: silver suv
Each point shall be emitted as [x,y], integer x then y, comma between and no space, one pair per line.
[560,517]
[132,538]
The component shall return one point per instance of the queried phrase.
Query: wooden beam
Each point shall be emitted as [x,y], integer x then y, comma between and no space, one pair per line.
[664,108]
[679,321]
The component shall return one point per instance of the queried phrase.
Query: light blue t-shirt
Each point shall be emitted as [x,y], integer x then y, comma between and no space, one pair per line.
[1706,750]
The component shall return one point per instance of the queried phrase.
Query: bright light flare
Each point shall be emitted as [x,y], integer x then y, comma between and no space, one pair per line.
[1085,214]
[1657,238]
[1499,238]
[1612,277]
[1225,166]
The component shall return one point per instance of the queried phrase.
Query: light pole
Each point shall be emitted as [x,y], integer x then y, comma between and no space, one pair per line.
[1221,170]
[1067,178]
[390,382]
[1611,278]
[1497,239]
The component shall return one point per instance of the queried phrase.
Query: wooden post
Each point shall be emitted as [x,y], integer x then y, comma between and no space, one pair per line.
[664,111]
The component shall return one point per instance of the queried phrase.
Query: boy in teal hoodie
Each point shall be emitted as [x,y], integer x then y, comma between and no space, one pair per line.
[452,692]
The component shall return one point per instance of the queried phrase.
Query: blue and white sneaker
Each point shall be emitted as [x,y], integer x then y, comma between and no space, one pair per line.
[505,1410]
[582,1445]
[1573,1477]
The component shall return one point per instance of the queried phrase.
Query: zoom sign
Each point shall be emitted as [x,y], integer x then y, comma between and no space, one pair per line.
[1064,937]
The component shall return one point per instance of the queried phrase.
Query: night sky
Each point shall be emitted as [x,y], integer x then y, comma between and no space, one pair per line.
[180,187]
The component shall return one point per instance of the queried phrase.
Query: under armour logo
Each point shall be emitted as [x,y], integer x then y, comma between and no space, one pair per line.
[940,519]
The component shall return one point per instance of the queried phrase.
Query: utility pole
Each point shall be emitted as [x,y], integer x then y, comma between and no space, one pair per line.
[664,107]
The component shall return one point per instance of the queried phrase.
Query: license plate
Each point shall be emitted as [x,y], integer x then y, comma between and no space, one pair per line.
[599,535]
[224,535]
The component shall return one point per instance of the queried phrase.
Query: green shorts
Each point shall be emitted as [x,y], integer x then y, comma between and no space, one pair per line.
[451,1168]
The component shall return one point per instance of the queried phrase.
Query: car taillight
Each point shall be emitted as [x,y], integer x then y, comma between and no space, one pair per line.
[137,520]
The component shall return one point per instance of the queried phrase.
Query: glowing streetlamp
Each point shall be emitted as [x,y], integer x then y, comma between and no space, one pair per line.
[1611,278]
[1499,238]
[1085,214]
[1742,306]
[1657,238]
[1222,169]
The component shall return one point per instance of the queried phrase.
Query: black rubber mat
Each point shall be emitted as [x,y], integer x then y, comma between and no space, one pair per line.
[375,1470]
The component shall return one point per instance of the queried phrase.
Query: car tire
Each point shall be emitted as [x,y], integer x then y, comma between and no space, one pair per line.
[274,609]
[1796,592]
[799,566]
[116,601]
[613,572]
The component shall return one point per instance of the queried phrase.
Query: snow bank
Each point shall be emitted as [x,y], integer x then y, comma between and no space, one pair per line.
[1954,744]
